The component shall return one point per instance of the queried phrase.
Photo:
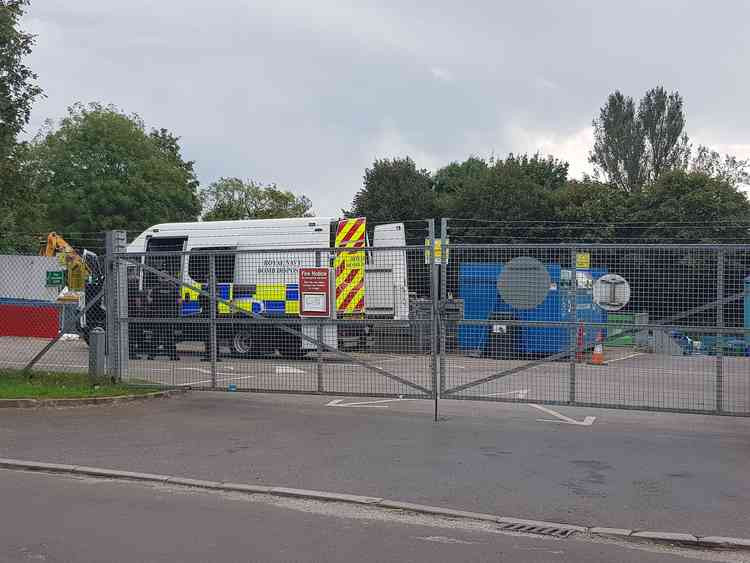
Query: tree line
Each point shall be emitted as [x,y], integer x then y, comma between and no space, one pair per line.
[649,184]
[102,168]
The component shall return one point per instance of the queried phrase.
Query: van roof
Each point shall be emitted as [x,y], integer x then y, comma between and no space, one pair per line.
[197,226]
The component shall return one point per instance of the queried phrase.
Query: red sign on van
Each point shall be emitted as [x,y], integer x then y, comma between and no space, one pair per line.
[314,292]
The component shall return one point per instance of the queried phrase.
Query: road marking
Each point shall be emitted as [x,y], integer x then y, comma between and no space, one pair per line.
[520,393]
[217,379]
[288,369]
[625,357]
[368,404]
[588,421]
[443,539]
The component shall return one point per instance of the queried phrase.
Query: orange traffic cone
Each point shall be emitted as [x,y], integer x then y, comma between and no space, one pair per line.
[597,357]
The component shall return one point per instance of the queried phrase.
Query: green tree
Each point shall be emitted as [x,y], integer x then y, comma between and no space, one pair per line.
[663,120]
[619,151]
[18,89]
[632,148]
[456,176]
[395,190]
[690,207]
[100,170]
[20,208]
[517,188]
[233,198]
[728,168]
[588,210]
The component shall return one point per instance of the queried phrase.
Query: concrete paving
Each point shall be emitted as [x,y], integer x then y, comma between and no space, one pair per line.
[57,518]
[642,471]
[630,379]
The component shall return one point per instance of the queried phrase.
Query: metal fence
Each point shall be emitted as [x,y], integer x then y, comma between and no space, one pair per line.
[651,327]
[539,335]
[191,331]
[39,317]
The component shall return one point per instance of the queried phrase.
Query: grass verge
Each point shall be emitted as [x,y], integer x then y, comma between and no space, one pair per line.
[15,384]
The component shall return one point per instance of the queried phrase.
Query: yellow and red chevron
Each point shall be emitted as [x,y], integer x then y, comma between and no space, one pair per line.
[349,266]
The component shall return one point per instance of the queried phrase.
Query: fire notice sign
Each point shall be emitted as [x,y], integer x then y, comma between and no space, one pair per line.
[315,292]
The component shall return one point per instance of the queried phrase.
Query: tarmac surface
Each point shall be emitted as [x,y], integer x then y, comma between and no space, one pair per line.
[629,469]
[60,518]
[629,379]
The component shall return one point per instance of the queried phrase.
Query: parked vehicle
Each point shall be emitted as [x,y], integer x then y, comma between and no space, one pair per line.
[256,266]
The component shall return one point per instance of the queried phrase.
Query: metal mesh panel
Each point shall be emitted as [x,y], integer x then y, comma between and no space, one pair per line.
[655,327]
[245,332]
[638,326]
[41,319]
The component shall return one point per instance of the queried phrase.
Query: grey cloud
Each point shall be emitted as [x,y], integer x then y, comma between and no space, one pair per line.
[307,94]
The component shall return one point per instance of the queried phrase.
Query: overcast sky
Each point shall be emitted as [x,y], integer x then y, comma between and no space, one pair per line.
[307,93]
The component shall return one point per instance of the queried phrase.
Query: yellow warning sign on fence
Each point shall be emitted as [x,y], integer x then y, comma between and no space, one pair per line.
[349,265]
[438,251]
[583,260]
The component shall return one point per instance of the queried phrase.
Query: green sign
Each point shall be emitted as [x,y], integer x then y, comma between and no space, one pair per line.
[55,278]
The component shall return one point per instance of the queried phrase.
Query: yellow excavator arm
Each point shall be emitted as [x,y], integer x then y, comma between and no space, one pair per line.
[78,271]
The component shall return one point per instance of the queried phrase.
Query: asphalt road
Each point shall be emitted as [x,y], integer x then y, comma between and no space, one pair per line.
[58,519]
[654,471]
[629,378]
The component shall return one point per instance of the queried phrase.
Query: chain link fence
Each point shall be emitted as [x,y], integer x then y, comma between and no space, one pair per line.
[41,317]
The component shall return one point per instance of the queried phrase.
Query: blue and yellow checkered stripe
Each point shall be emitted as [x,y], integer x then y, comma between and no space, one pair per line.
[277,298]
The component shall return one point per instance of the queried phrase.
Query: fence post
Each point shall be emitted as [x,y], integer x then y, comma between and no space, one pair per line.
[318,345]
[212,327]
[434,325]
[116,300]
[97,354]
[443,293]
[572,333]
[720,324]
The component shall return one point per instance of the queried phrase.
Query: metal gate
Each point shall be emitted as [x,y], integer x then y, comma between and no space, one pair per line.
[228,319]
[649,327]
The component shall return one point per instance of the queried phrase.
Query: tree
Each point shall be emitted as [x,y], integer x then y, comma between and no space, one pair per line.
[632,148]
[588,210]
[663,121]
[518,188]
[395,190]
[19,205]
[455,177]
[691,207]
[619,151]
[728,169]
[17,87]
[232,198]
[100,170]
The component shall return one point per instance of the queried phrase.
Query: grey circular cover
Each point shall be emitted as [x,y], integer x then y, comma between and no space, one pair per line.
[524,283]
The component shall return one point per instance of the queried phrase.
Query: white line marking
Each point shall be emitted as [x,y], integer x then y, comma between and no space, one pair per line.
[288,369]
[520,393]
[625,357]
[368,404]
[588,421]
[217,379]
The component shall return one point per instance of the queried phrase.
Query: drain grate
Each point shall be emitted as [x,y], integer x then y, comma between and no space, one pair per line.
[538,530]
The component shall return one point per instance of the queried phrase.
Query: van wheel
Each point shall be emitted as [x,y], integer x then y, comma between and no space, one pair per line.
[291,347]
[245,344]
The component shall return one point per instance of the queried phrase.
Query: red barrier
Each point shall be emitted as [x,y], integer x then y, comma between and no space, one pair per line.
[30,321]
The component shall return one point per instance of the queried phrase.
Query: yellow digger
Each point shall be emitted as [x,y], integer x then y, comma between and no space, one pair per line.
[76,267]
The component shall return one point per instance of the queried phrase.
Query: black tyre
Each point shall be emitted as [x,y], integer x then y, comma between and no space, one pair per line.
[246,344]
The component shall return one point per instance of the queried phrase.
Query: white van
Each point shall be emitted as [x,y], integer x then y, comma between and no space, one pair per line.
[264,279]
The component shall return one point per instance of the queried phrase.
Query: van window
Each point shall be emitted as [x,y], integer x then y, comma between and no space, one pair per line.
[171,264]
[199,266]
